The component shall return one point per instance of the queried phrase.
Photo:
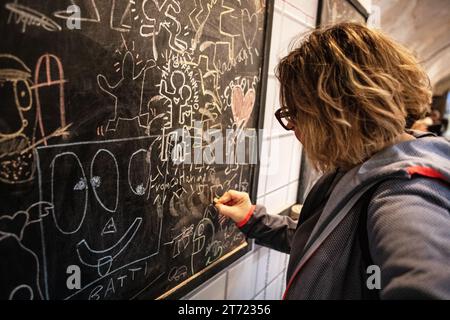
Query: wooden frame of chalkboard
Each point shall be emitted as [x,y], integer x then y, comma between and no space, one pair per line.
[354,3]
[191,283]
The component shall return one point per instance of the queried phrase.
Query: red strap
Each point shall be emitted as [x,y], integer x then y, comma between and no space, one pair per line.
[247,217]
[427,172]
[287,288]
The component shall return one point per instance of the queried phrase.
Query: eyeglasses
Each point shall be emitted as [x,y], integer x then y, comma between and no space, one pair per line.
[284,118]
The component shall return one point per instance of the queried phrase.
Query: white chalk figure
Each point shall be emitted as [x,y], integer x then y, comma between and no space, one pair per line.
[158,16]
[23,122]
[204,242]
[202,233]
[19,266]
[198,18]
[127,92]
[179,93]
[181,241]
[236,30]
[120,18]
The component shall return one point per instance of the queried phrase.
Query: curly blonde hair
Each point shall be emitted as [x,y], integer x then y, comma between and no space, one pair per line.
[351,91]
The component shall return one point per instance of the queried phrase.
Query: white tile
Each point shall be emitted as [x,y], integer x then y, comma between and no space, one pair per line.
[296,159]
[279,5]
[305,10]
[214,290]
[277,23]
[260,295]
[272,103]
[261,201]
[262,179]
[283,31]
[293,29]
[292,193]
[283,283]
[285,261]
[273,290]
[263,166]
[283,286]
[261,271]
[279,163]
[275,202]
[276,264]
[242,279]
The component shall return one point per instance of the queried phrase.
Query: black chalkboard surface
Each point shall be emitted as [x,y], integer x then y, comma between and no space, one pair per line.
[110,123]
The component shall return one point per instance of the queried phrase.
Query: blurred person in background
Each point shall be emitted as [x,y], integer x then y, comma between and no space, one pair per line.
[422,124]
[439,125]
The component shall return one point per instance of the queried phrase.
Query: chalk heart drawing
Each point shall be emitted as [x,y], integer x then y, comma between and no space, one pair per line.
[249,27]
[242,105]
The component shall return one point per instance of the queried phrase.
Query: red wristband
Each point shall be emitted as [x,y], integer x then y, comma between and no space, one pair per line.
[247,217]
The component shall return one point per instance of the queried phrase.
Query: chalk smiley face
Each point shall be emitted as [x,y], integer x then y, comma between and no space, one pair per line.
[76,188]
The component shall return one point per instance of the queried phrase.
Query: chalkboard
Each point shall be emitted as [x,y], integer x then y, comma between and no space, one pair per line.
[110,156]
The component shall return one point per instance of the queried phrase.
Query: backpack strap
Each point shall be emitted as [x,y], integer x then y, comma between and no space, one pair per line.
[364,242]
[362,225]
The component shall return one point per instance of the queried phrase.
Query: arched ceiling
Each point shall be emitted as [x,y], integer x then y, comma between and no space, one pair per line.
[424,27]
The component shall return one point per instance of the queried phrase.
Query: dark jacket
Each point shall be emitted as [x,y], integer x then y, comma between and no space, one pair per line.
[405,223]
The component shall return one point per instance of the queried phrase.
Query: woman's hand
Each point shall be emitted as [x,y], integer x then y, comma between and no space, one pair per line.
[234,204]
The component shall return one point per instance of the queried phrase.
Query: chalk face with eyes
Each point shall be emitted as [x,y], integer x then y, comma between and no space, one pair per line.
[101,213]
[16,162]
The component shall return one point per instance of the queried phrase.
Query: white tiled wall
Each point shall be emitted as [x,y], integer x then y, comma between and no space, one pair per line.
[213,290]
[281,152]
[261,274]
[242,279]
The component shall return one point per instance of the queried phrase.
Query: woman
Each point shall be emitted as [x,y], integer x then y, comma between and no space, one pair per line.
[382,207]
